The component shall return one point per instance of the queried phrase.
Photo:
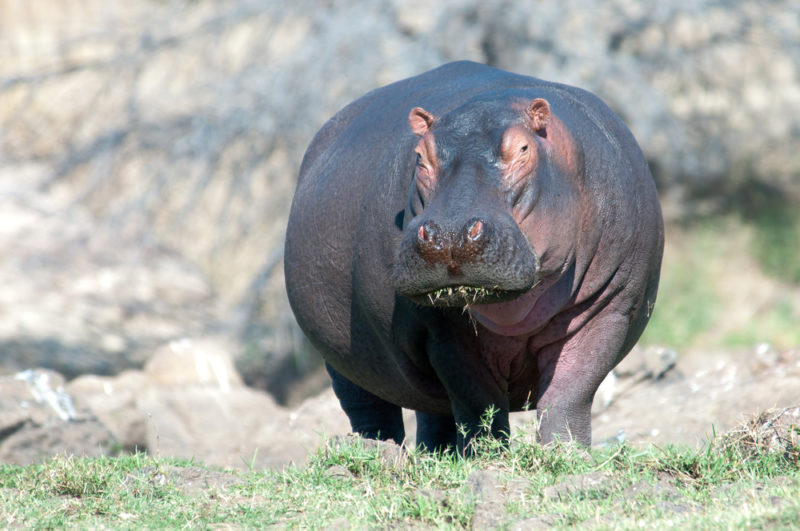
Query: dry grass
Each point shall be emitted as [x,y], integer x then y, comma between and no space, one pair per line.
[774,431]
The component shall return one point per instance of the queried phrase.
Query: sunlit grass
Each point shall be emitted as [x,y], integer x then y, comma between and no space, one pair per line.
[733,481]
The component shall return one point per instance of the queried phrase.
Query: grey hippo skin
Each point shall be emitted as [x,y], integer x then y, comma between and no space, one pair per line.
[470,238]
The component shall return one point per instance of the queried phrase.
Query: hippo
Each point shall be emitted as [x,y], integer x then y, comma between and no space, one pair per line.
[471,240]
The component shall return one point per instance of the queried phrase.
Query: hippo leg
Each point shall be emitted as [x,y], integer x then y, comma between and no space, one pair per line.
[370,416]
[470,421]
[571,373]
[473,391]
[436,433]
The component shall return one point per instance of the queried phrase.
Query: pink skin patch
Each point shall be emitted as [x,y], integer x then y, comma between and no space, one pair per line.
[514,318]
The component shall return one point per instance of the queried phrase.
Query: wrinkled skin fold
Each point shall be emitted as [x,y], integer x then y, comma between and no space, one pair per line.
[470,239]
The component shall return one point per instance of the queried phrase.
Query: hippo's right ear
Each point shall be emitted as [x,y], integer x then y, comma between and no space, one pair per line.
[420,120]
[539,113]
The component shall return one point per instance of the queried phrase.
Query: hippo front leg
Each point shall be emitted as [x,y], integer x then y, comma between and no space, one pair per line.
[370,416]
[472,391]
[436,433]
[571,372]
[470,416]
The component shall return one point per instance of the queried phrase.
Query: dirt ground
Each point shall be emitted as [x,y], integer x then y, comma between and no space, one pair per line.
[189,402]
[704,392]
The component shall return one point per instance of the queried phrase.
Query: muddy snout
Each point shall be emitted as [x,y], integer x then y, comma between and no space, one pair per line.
[478,260]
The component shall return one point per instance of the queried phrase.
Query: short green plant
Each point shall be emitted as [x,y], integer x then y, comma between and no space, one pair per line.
[749,477]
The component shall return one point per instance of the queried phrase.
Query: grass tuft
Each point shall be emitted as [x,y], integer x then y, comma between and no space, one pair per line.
[765,441]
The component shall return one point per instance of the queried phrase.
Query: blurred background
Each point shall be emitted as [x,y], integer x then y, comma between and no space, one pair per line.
[149,151]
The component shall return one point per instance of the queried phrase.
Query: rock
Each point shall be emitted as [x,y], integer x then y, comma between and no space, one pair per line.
[205,362]
[573,484]
[765,357]
[778,502]
[517,489]
[80,298]
[213,426]
[113,401]
[37,395]
[716,392]
[434,496]
[121,402]
[339,524]
[661,489]
[190,481]
[35,443]
[39,420]
[301,430]
[390,454]
[204,412]
[188,402]
[490,505]
[485,485]
[536,523]
[784,481]
[338,472]
[651,363]
[668,507]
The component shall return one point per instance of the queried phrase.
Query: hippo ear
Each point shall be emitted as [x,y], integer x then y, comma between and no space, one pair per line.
[420,120]
[539,113]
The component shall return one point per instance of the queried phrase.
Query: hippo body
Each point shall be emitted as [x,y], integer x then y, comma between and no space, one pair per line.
[470,239]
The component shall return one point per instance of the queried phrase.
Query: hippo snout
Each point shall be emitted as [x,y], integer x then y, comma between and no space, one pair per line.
[476,261]
[453,249]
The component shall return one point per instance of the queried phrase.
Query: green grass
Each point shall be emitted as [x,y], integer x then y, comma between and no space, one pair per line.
[777,325]
[688,303]
[776,244]
[736,481]
[775,219]
[728,282]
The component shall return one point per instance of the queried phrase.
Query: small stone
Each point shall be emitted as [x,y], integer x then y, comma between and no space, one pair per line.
[435,495]
[489,507]
[535,523]
[573,484]
[777,501]
[660,489]
[338,471]
[340,524]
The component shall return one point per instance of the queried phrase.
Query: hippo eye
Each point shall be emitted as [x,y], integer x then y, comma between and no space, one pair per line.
[523,149]
[421,166]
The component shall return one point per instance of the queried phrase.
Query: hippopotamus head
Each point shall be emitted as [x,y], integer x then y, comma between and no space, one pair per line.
[493,206]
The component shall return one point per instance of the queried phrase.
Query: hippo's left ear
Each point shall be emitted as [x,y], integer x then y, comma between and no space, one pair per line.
[420,120]
[539,113]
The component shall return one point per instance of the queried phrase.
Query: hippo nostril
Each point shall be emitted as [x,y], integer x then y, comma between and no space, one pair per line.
[428,233]
[475,230]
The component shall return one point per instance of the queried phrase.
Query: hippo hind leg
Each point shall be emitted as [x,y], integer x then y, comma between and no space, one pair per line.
[436,433]
[370,416]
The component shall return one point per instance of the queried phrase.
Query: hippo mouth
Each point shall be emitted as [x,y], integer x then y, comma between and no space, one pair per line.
[465,296]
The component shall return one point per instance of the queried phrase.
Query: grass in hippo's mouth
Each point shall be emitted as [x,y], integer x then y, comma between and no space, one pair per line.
[469,294]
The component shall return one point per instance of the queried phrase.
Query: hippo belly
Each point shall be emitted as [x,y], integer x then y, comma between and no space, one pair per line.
[469,239]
